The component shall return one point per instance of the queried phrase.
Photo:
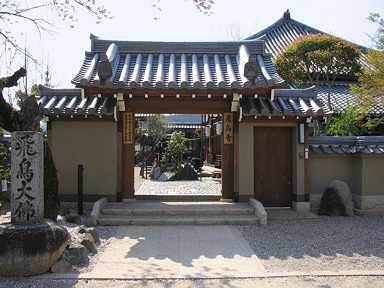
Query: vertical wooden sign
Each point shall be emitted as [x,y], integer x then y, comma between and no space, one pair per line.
[128,134]
[228,128]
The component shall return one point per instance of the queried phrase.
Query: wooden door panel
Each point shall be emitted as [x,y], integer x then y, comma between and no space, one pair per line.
[273,165]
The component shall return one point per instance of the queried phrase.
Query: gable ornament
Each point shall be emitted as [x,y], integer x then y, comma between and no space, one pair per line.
[251,68]
[104,67]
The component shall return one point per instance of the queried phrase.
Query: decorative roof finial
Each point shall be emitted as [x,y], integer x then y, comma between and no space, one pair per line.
[287,15]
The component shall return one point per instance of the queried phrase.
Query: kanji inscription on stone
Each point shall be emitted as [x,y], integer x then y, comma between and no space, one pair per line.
[27,187]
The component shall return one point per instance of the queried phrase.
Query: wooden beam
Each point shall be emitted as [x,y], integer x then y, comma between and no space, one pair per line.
[173,92]
[178,106]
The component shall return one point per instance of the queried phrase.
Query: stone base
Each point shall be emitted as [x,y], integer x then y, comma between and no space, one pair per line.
[301,206]
[226,200]
[27,250]
[73,205]
[374,202]
[315,200]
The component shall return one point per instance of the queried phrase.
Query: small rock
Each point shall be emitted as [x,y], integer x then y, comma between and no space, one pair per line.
[163,177]
[64,211]
[87,241]
[91,231]
[61,266]
[155,173]
[65,252]
[78,254]
[73,218]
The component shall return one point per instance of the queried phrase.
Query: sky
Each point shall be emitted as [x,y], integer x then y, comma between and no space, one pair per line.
[179,20]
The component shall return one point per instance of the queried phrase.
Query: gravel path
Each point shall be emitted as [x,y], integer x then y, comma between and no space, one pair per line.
[326,243]
[207,186]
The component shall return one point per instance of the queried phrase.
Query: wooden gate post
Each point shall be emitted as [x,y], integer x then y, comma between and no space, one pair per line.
[119,181]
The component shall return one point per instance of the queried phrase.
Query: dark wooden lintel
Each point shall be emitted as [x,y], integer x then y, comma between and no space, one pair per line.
[179,106]
[81,118]
[173,92]
[274,119]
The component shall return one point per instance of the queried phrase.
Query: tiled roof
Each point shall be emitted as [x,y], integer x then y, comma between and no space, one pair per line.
[175,65]
[285,103]
[283,32]
[341,98]
[349,145]
[69,102]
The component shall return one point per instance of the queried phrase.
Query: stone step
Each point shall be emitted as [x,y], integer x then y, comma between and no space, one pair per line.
[155,220]
[145,208]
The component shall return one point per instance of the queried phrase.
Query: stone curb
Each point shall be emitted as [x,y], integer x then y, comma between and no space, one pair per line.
[259,211]
[96,211]
[350,273]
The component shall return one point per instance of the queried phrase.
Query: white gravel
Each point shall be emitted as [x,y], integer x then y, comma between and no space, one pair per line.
[326,243]
[105,233]
[207,186]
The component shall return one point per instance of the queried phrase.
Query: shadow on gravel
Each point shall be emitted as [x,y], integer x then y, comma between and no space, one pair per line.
[358,240]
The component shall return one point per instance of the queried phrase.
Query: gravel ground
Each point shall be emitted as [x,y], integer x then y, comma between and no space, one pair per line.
[207,186]
[105,233]
[287,282]
[326,243]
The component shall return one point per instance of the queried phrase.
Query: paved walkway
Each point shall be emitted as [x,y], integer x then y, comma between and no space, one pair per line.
[147,252]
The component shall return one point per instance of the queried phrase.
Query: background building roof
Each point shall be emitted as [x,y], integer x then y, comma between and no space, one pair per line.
[283,32]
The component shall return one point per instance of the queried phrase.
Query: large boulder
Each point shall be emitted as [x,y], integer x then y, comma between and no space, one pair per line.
[187,173]
[337,200]
[27,250]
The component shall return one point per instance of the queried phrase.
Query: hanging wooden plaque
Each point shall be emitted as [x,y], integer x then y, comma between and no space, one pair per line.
[128,134]
[228,128]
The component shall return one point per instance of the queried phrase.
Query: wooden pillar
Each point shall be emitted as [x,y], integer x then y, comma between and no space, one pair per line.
[119,180]
[236,160]
[227,162]
[306,164]
[128,156]
[49,132]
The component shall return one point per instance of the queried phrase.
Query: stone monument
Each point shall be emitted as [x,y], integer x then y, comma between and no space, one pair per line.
[29,245]
[27,187]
